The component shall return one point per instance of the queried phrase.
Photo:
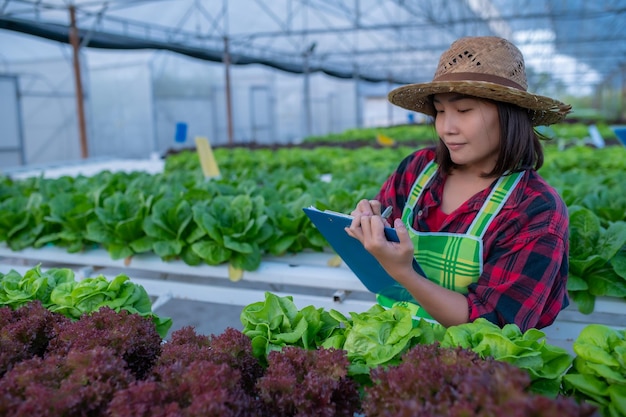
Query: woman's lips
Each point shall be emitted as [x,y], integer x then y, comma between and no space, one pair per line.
[454,146]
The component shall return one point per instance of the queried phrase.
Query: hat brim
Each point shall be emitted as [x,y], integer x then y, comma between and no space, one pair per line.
[542,110]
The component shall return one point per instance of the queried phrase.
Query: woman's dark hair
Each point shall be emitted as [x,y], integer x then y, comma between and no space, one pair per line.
[520,148]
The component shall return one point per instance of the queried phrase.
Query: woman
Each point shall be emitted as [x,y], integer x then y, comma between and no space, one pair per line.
[489,233]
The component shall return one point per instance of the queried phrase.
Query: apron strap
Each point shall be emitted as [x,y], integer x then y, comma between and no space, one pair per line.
[491,207]
[494,203]
[427,174]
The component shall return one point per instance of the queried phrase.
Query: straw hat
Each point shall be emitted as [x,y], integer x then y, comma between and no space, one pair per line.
[488,67]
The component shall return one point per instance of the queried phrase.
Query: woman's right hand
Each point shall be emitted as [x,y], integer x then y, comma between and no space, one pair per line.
[364,208]
[367,208]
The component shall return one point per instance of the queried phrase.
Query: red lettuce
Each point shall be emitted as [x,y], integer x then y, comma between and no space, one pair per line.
[197,389]
[131,336]
[231,347]
[303,382]
[456,382]
[81,383]
[26,332]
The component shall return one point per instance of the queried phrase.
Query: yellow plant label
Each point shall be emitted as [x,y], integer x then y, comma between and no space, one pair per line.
[207,159]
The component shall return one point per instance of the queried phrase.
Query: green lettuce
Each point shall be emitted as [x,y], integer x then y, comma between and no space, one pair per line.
[292,228]
[529,350]
[236,228]
[59,291]
[276,322]
[171,230]
[17,290]
[22,220]
[70,212]
[598,374]
[381,336]
[597,261]
[118,225]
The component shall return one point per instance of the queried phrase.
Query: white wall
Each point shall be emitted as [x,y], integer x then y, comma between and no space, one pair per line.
[121,111]
[49,116]
[134,99]
[11,151]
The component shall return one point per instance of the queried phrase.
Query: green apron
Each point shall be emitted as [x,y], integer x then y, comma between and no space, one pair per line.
[451,260]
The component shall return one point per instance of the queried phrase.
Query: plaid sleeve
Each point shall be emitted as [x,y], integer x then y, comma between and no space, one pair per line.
[525,273]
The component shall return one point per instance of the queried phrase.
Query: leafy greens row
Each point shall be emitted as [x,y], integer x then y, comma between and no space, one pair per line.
[381,337]
[255,208]
[58,290]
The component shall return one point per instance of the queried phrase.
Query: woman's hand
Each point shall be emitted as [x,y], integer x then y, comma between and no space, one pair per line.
[367,207]
[444,305]
[395,257]
[363,208]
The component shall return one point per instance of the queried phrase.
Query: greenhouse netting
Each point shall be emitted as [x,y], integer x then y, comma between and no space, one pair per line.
[156,74]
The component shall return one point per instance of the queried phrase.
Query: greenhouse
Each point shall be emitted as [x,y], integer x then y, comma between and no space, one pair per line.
[175,177]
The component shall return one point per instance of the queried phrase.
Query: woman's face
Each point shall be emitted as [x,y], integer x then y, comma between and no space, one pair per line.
[470,129]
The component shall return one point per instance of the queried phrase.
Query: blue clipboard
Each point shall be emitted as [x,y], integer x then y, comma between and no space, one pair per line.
[367,269]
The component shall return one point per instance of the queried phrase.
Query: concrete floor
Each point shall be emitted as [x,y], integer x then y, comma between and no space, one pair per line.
[205,318]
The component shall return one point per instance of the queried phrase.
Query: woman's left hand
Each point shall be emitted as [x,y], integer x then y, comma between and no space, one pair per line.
[395,257]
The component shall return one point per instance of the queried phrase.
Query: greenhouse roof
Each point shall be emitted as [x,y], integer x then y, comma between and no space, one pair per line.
[580,43]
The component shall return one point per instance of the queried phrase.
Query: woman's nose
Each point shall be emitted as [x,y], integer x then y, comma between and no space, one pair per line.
[448,123]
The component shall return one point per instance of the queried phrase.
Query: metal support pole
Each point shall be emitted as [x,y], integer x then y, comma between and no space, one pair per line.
[306,70]
[229,110]
[75,42]
[307,96]
[358,102]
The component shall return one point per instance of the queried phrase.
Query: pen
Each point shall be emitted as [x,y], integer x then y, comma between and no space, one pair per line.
[387,212]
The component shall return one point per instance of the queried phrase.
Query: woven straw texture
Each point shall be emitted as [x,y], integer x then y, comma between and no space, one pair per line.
[487,67]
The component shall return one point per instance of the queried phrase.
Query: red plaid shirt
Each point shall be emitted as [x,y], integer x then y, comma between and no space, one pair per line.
[525,249]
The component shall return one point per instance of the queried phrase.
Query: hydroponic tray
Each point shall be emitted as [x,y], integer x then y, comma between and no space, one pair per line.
[310,270]
[308,273]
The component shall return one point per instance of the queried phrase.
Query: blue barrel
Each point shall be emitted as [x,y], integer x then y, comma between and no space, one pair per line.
[620,132]
[181,132]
